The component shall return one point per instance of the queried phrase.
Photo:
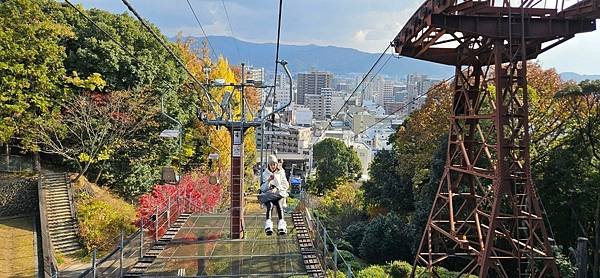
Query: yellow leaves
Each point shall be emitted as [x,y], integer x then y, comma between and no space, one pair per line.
[84,157]
[104,155]
[92,82]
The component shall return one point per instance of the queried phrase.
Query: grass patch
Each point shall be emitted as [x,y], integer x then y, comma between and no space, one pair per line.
[17,253]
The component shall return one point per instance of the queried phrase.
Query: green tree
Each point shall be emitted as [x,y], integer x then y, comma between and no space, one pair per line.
[584,106]
[342,207]
[92,51]
[386,187]
[386,238]
[336,164]
[31,68]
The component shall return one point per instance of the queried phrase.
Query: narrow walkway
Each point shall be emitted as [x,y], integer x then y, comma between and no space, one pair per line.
[203,247]
[150,256]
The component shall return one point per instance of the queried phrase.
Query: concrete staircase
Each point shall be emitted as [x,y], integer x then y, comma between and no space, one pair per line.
[62,223]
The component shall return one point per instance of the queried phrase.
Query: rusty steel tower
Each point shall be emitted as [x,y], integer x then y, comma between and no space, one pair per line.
[486,216]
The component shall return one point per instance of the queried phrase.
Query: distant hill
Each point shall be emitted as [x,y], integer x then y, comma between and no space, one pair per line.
[577,77]
[338,60]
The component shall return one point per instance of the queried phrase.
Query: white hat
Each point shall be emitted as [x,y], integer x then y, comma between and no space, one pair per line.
[272,159]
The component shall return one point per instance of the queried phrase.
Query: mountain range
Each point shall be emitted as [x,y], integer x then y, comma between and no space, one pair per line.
[338,60]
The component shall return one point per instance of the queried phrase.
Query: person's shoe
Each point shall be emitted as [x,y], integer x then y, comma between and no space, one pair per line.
[282,227]
[269,227]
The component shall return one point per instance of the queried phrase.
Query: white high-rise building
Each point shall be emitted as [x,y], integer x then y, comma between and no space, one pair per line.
[320,104]
[255,74]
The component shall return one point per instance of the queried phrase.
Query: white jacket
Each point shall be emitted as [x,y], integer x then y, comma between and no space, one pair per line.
[279,181]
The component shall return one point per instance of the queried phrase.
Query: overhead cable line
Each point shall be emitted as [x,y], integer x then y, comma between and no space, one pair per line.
[231,29]
[127,50]
[202,28]
[358,86]
[166,47]
[276,68]
[278,38]
[406,105]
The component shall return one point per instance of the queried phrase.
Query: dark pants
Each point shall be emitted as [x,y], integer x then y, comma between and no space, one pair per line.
[278,204]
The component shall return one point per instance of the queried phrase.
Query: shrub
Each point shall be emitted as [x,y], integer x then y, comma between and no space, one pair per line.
[399,269]
[341,208]
[355,263]
[386,238]
[194,187]
[354,234]
[373,271]
[343,245]
[101,222]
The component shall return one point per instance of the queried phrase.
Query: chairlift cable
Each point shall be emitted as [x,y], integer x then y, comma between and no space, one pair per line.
[407,104]
[237,49]
[277,45]
[359,85]
[166,47]
[202,28]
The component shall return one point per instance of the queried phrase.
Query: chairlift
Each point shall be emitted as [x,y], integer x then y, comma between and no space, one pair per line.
[168,175]
[213,178]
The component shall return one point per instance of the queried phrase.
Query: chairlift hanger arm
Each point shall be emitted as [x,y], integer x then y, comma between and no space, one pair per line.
[287,72]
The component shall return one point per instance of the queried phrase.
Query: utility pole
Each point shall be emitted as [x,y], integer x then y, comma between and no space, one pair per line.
[237,129]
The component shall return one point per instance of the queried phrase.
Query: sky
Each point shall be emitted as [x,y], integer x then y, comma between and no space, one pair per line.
[366,25]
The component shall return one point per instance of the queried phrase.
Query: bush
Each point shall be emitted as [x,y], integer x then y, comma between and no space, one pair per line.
[344,245]
[355,263]
[341,208]
[354,234]
[373,271]
[385,239]
[399,269]
[101,222]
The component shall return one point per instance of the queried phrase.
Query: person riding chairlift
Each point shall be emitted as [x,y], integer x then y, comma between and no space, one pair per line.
[274,190]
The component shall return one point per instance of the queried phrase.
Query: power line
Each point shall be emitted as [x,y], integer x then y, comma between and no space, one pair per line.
[406,105]
[231,29]
[202,28]
[164,45]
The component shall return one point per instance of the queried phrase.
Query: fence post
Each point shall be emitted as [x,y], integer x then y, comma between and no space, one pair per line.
[335,261]
[142,237]
[169,212]
[324,242]
[94,263]
[121,255]
[349,271]
[189,202]
[317,220]
[156,224]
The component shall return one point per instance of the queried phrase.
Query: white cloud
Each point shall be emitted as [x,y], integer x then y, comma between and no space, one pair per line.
[360,36]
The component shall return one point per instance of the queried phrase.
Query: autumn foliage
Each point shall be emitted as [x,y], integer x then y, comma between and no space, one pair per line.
[193,194]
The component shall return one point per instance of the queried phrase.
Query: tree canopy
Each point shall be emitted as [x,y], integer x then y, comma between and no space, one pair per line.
[336,163]
[31,68]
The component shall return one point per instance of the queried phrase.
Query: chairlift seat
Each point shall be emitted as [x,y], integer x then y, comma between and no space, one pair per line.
[168,175]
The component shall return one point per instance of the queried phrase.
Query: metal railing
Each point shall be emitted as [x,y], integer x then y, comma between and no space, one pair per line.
[324,243]
[15,163]
[129,248]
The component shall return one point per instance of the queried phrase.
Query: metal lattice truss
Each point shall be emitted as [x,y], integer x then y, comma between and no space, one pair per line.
[486,217]
[439,26]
